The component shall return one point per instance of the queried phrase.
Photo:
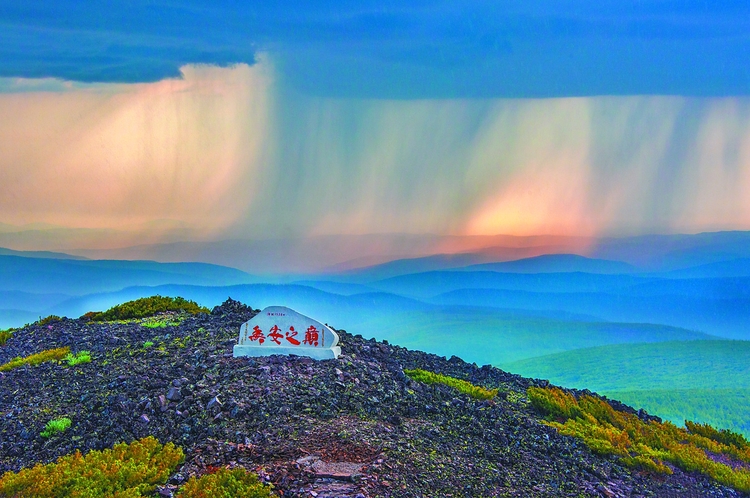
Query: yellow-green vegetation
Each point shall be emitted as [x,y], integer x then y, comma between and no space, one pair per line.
[5,335]
[36,359]
[148,344]
[645,444]
[225,483]
[465,387]
[723,436]
[146,306]
[55,426]
[125,471]
[162,320]
[78,358]
[48,319]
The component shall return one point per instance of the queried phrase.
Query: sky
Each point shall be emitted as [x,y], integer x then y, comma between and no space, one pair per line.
[234,120]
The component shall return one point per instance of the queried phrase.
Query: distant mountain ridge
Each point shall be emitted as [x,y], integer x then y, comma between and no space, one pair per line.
[83,276]
[38,254]
[556,263]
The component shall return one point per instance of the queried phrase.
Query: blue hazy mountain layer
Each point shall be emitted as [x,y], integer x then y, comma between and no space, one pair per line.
[429,284]
[739,267]
[76,277]
[676,251]
[29,300]
[645,253]
[410,265]
[477,261]
[38,254]
[722,317]
[16,318]
[480,335]
[556,263]
[343,288]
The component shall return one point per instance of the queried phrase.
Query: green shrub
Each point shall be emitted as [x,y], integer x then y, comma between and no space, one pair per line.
[723,436]
[147,306]
[5,335]
[36,359]
[77,359]
[645,444]
[465,387]
[235,483]
[49,319]
[125,471]
[55,426]
[148,344]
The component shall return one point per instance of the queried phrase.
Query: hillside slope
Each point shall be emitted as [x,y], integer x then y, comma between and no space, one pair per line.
[353,427]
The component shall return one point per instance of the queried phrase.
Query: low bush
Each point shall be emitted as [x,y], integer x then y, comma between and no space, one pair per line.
[645,444]
[36,359]
[55,426]
[723,436]
[5,335]
[49,319]
[77,359]
[125,471]
[476,392]
[225,483]
[147,306]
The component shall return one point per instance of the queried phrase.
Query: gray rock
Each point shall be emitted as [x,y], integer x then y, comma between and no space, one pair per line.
[174,394]
[213,402]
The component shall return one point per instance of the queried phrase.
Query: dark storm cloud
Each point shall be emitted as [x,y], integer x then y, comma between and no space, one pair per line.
[417,49]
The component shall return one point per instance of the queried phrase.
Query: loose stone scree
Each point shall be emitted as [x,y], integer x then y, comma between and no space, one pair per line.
[281,330]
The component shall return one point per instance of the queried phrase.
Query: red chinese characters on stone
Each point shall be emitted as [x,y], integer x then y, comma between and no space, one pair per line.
[257,335]
[311,336]
[274,334]
[290,336]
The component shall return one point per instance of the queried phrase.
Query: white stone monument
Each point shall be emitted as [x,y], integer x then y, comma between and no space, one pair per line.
[280,330]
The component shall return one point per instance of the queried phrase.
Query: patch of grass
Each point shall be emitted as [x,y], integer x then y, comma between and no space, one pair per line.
[125,471]
[162,320]
[147,306]
[225,483]
[148,344]
[5,335]
[476,392]
[36,359]
[77,359]
[55,426]
[644,444]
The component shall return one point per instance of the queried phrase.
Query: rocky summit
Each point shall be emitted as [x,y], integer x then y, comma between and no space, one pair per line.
[355,426]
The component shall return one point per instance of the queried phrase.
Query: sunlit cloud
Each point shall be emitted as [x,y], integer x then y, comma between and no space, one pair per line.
[121,156]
